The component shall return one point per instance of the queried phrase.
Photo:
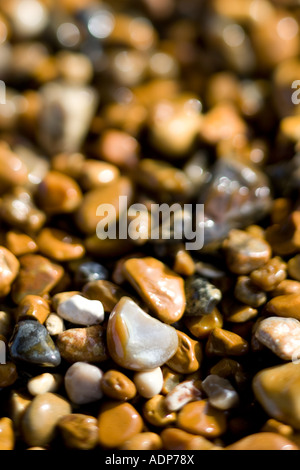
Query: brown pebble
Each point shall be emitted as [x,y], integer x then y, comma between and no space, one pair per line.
[177,439]
[236,312]
[201,418]
[188,356]
[119,148]
[117,423]
[6,324]
[9,267]
[79,431]
[18,404]
[201,326]
[272,425]
[83,344]
[281,209]
[184,264]
[69,163]
[166,295]
[248,293]
[170,380]
[104,291]
[281,335]
[20,244]
[270,275]
[7,436]
[13,172]
[285,237]
[294,267]
[156,413]
[57,299]
[59,245]
[286,287]
[285,306]
[143,441]
[225,343]
[33,307]
[58,193]
[263,441]
[244,253]
[229,368]
[117,385]
[96,174]
[8,374]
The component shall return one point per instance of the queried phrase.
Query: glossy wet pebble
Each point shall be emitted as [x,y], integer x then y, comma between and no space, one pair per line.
[263,441]
[281,335]
[7,436]
[201,418]
[79,431]
[83,344]
[9,267]
[83,383]
[117,385]
[90,271]
[44,383]
[220,392]
[81,311]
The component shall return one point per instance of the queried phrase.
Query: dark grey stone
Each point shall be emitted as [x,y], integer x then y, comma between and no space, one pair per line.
[201,296]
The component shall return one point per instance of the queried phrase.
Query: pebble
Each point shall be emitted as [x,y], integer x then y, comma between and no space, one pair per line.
[54,324]
[8,374]
[61,297]
[263,441]
[281,335]
[184,264]
[188,356]
[83,344]
[201,326]
[270,275]
[220,392]
[294,268]
[272,425]
[284,237]
[248,293]
[32,344]
[59,245]
[9,268]
[166,296]
[58,193]
[96,174]
[6,324]
[83,383]
[119,148]
[68,163]
[285,306]
[286,287]
[13,170]
[90,271]
[183,393]
[33,307]
[41,417]
[78,431]
[81,311]
[106,292]
[37,276]
[143,441]
[117,423]
[229,368]
[236,312]
[138,341]
[149,383]
[86,216]
[171,379]
[118,386]
[18,404]
[225,343]
[7,436]
[44,383]
[156,413]
[244,253]
[278,391]
[177,439]
[19,243]
[201,296]
[201,418]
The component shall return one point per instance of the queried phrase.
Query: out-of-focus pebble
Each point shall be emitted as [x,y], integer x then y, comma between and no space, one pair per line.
[83,383]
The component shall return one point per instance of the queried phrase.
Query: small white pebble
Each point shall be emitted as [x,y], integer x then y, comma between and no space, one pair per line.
[44,383]
[149,383]
[81,311]
[220,392]
[54,324]
[83,383]
[182,394]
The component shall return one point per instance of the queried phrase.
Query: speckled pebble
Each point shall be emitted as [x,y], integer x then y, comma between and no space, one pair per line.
[201,296]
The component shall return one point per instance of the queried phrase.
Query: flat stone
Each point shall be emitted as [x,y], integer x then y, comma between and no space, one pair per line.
[281,335]
[83,383]
[188,356]
[285,306]
[201,296]
[264,441]
[225,343]
[32,344]
[7,436]
[83,344]
[81,311]
[138,341]
[9,268]
[79,431]
[166,295]
[201,418]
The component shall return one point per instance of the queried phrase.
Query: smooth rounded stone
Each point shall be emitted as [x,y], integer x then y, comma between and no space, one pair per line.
[44,383]
[156,412]
[119,148]
[248,293]
[83,383]
[284,237]
[13,172]
[87,216]
[281,335]
[138,341]
[79,431]
[9,268]
[236,312]
[183,393]
[294,268]
[59,245]
[19,243]
[90,271]
[81,311]
[117,423]
[41,417]
[285,306]
[201,326]
[177,439]
[6,323]
[244,253]
[272,425]
[188,356]
[220,392]
[201,418]
[83,344]
[263,441]
[95,174]
[225,343]
[201,296]
[149,383]
[184,264]
[7,436]
[269,276]
[54,324]
[61,297]
[278,391]
[8,374]
[58,194]
[37,276]
[18,404]
[165,296]
[32,344]
[118,386]
[286,287]
[231,369]
[106,292]
[33,307]
[143,441]
[68,163]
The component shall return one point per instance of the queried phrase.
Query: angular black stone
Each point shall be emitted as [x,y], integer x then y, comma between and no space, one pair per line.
[201,296]
[31,343]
